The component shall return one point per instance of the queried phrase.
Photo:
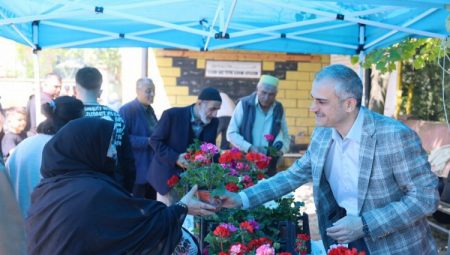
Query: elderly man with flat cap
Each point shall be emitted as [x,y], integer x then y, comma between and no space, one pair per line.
[175,131]
[257,115]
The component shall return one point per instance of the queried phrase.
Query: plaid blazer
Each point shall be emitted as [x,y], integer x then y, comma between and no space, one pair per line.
[396,188]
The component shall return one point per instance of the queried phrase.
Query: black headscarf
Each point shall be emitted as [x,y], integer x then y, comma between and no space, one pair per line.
[78,209]
[79,146]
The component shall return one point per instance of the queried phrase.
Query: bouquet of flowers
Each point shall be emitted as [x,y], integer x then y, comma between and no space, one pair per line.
[247,238]
[202,170]
[234,231]
[246,231]
[249,168]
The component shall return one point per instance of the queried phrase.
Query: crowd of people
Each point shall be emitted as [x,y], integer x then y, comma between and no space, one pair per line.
[90,180]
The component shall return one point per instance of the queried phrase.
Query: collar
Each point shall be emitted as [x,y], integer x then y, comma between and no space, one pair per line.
[355,132]
[193,118]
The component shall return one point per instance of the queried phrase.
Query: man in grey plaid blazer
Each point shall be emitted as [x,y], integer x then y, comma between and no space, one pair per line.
[372,183]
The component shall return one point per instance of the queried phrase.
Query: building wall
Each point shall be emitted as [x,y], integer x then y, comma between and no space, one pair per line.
[183,75]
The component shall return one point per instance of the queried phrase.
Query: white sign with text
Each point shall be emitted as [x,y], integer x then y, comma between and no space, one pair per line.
[233,69]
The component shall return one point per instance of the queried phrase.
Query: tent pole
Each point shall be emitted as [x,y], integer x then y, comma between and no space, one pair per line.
[230,14]
[144,63]
[211,28]
[362,57]
[37,87]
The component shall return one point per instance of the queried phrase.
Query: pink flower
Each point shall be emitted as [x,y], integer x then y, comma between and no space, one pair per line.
[209,148]
[265,249]
[238,249]
[200,158]
[240,166]
[269,137]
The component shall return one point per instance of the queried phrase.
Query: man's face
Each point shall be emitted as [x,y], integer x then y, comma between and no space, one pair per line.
[266,95]
[208,110]
[146,93]
[52,86]
[330,111]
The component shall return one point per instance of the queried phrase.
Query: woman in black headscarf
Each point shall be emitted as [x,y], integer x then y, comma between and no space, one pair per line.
[78,208]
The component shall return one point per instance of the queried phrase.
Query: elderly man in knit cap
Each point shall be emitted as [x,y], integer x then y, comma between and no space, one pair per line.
[257,116]
[175,131]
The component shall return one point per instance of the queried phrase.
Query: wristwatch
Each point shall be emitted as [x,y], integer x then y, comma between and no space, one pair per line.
[183,205]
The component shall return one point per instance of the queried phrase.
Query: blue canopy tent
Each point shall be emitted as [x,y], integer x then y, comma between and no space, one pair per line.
[296,26]
[293,26]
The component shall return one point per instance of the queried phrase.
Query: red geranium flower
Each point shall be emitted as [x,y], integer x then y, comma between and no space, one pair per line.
[247,226]
[232,187]
[253,244]
[221,231]
[342,250]
[173,180]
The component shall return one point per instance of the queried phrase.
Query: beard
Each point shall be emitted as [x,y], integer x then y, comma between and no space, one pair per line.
[204,119]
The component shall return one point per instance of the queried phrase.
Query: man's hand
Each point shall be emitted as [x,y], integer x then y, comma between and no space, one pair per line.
[181,161]
[231,200]
[347,229]
[196,207]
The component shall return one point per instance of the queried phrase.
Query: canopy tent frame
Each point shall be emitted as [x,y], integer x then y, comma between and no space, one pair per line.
[349,18]
[302,26]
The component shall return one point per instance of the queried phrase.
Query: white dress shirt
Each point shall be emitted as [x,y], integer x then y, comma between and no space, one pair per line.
[342,166]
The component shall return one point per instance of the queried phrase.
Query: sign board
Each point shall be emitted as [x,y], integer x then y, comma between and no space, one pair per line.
[233,69]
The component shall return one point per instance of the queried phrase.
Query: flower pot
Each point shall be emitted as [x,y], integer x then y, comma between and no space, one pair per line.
[205,196]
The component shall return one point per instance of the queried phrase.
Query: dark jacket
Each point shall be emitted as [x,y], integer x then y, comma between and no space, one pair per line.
[171,137]
[133,113]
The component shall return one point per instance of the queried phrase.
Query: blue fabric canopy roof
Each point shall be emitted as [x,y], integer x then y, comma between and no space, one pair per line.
[294,26]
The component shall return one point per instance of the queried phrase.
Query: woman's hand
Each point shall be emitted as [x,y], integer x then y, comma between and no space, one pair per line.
[196,207]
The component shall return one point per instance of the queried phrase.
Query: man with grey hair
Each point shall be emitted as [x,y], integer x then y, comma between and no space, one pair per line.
[258,115]
[50,89]
[140,121]
[373,186]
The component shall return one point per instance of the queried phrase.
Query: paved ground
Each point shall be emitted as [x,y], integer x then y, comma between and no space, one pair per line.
[305,194]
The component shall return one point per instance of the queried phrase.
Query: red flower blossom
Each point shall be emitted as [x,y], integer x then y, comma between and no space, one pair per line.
[284,253]
[232,187]
[255,243]
[230,156]
[223,253]
[247,226]
[221,231]
[341,250]
[304,237]
[173,180]
[261,161]
[260,176]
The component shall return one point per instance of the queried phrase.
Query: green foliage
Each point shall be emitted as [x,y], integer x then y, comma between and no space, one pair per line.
[414,51]
[421,75]
[67,61]
[268,217]
[426,87]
